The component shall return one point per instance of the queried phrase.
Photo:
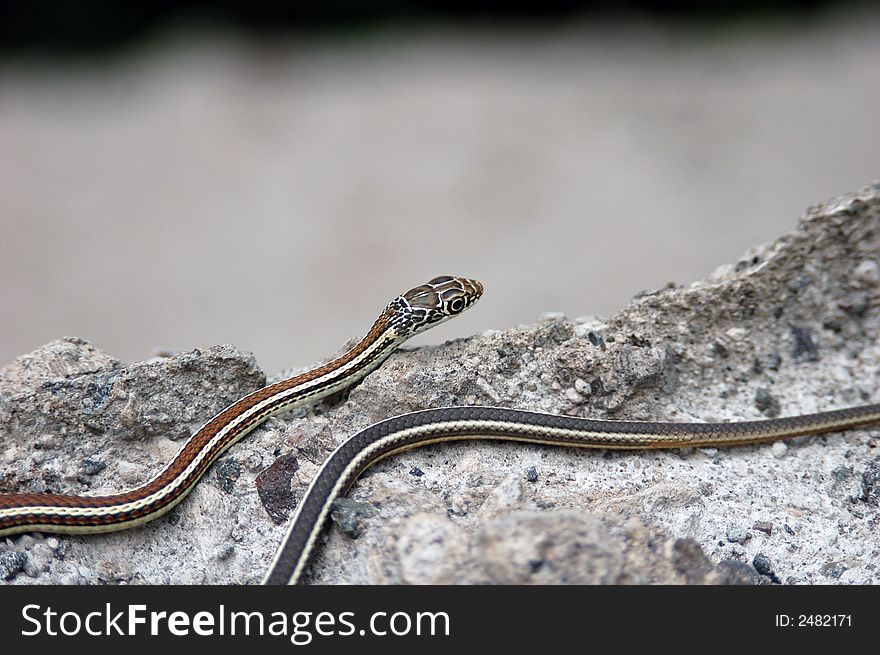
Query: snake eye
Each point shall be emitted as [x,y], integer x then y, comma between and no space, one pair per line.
[456,305]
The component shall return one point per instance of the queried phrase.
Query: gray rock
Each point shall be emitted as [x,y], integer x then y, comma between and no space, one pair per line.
[473,516]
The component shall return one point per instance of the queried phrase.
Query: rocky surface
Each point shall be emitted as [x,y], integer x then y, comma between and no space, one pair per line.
[790,328]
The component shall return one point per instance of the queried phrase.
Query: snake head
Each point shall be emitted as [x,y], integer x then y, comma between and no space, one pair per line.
[430,304]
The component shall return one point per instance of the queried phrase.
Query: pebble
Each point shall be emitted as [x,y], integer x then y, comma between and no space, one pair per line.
[582,387]
[871,483]
[766,403]
[532,474]
[737,535]
[597,340]
[841,473]
[802,346]
[12,562]
[763,526]
[834,569]
[763,566]
[92,466]
[228,471]
[778,449]
[574,396]
[348,515]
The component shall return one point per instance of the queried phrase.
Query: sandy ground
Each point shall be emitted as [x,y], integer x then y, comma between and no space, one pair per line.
[206,189]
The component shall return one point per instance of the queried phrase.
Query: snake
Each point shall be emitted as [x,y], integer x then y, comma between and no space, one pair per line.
[410,313]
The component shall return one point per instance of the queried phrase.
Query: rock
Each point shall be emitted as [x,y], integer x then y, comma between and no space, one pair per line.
[273,486]
[12,563]
[73,419]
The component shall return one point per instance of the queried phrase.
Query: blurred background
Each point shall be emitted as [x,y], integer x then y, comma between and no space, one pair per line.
[180,174]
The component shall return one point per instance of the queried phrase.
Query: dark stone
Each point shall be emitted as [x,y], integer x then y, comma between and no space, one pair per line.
[596,339]
[508,361]
[228,471]
[273,486]
[531,474]
[763,566]
[832,325]
[871,483]
[560,332]
[638,342]
[766,403]
[347,514]
[720,349]
[802,346]
[92,466]
[416,472]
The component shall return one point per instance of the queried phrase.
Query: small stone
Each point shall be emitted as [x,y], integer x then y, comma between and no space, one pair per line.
[774,361]
[834,570]
[841,473]
[766,403]
[415,471]
[638,341]
[574,396]
[12,562]
[787,528]
[763,526]
[802,346]
[228,471]
[871,483]
[596,339]
[737,535]
[763,566]
[273,487]
[778,449]
[531,474]
[92,466]
[348,513]
[582,387]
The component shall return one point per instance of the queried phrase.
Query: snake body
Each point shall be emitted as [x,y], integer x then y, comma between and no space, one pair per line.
[411,313]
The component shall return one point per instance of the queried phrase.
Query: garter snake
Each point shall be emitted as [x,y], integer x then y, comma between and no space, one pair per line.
[415,311]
